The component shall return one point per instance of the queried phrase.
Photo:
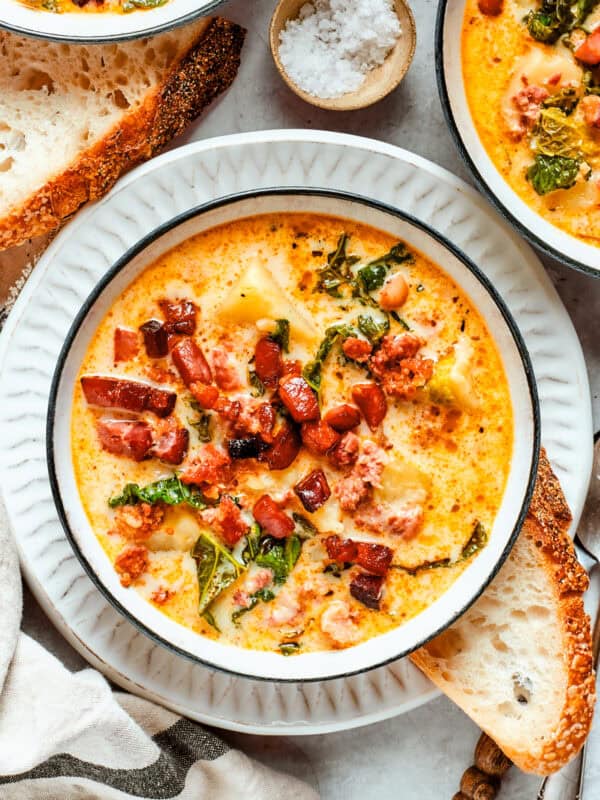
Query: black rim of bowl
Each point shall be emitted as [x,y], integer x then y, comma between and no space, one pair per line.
[125,37]
[204,208]
[482,184]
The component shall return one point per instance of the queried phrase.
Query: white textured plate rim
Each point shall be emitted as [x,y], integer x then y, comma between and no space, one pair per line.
[343,147]
[197,211]
[17,20]
[477,167]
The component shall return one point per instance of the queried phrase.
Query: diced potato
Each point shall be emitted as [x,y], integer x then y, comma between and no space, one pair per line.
[186,531]
[451,383]
[402,482]
[258,296]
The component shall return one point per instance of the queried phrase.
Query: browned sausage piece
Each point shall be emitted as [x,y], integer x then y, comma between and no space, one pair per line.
[367,589]
[180,317]
[272,519]
[369,397]
[491,8]
[172,446]
[108,392]
[313,490]
[318,437]
[155,338]
[190,362]
[299,399]
[343,417]
[286,446]
[267,362]
[125,438]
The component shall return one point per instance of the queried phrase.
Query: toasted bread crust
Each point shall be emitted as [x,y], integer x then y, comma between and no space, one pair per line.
[193,82]
[545,530]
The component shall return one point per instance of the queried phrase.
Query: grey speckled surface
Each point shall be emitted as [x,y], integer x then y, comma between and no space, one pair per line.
[421,755]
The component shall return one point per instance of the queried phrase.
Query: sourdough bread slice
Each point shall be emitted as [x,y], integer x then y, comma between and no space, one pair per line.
[74,117]
[519,662]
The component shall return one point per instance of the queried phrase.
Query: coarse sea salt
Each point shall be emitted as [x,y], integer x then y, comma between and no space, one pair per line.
[332,45]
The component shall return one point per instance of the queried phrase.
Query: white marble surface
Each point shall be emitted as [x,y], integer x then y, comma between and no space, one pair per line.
[421,755]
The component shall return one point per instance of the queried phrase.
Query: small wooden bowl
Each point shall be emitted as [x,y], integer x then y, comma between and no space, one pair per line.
[377,84]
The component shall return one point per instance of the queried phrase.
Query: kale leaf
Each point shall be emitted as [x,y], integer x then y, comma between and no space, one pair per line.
[168,490]
[312,371]
[374,331]
[372,276]
[279,556]
[338,270]
[548,173]
[289,648]
[557,17]
[304,527]
[281,334]
[216,567]
[266,595]
[477,541]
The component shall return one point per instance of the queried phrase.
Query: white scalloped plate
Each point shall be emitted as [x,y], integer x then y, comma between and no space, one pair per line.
[37,326]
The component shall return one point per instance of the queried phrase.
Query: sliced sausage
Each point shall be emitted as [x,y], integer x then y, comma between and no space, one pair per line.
[299,399]
[286,446]
[367,589]
[491,8]
[190,362]
[343,417]
[268,364]
[155,338]
[127,395]
[126,344]
[375,558]
[272,519]
[245,447]
[172,446]
[318,437]
[205,396]
[345,452]
[125,438]
[369,397]
[313,490]
[341,550]
[180,316]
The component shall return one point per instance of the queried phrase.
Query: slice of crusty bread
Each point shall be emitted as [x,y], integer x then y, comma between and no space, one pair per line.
[519,662]
[74,117]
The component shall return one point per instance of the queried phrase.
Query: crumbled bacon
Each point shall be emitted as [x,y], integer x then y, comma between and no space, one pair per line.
[226,373]
[400,367]
[126,344]
[132,563]
[405,522]
[210,465]
[357,349]
[591,110]
[375,558]
[366,473]
[138,522]
[162,595]
[228,520]
[227,409]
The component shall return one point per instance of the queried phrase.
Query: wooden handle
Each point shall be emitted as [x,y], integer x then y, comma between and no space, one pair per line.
[482,780]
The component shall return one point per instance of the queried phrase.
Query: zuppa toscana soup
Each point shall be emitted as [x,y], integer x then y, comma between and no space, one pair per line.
[291,433]
[114,6]
[532,77]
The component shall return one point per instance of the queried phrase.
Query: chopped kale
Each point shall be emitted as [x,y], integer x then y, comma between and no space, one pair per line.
[281,334]
[279,556]
[168,490]
[216,567]
[477,541]
[312,371]
[266,595]
[304,527]
[549,173]
[289,648]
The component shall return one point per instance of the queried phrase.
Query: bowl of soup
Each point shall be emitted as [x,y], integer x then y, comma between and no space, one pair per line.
[293,434]
[99,20]
[520,86]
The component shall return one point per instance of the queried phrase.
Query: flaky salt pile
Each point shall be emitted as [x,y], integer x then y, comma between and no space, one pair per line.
[332,45]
